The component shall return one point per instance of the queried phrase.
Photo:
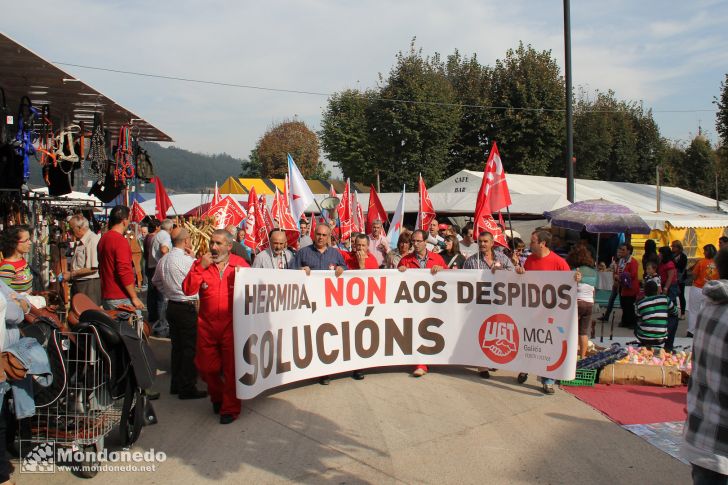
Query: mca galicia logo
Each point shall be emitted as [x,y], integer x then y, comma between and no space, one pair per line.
[498,338]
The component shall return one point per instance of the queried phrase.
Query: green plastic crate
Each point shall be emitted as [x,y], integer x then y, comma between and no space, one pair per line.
[584,377]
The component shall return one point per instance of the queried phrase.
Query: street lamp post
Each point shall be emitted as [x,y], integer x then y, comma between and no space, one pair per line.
[569,107]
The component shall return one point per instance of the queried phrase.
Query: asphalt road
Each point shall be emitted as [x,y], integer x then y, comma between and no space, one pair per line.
[448,427]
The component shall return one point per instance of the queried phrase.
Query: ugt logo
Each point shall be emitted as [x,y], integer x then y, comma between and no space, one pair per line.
[498,338]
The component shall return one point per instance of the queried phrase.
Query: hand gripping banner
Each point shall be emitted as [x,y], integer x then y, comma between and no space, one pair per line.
[289,326]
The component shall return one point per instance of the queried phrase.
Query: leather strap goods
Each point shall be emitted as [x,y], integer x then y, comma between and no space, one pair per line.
[12,367]
[124,156]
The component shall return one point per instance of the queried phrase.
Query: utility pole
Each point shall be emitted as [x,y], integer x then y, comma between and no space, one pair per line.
[569,107]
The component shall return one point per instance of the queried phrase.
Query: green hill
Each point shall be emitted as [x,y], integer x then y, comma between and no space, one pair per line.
[184,171]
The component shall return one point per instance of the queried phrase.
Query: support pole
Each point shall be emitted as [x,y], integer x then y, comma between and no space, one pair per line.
[569,107]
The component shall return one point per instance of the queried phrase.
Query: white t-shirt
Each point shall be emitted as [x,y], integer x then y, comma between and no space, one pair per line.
[585,292]
[161,239]
[468,251]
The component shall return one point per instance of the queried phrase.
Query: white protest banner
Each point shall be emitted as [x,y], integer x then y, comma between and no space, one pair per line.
[289,326]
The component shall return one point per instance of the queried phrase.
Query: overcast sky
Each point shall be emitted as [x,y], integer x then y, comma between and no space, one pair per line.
[672,55]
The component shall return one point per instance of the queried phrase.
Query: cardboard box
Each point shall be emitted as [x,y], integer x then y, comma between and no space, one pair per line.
[640,374]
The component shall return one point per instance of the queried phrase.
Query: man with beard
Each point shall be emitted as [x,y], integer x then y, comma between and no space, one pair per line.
[277,256]
[213,277]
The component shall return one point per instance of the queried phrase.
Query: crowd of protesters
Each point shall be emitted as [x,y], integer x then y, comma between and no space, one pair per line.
[189,296]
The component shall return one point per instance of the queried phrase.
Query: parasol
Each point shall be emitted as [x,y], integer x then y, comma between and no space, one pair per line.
[598,216]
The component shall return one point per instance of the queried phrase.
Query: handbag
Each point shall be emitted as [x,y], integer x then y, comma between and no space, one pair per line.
[144,168]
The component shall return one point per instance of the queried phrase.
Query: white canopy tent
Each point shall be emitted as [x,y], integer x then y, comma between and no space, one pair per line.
[679,207]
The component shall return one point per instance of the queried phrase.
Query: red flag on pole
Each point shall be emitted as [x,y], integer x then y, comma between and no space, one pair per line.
[359,219]
[496,188]
[345,215]
[426,212]
[225,213]
[162,199]
[263,204]
[137,213]
[276,209]
[256,236]
[375,210]
[312,231]
[487,223]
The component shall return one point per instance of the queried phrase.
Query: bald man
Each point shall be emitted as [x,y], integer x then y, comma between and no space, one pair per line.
[181,314]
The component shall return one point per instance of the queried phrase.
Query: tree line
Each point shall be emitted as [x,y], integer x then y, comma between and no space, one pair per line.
[436,116]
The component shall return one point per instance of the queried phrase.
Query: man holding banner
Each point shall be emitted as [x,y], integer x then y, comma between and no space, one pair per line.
[320,256]
[543,259]
[421,258]
[213,277]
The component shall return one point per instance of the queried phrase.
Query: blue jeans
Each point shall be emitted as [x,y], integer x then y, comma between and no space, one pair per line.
[35,359]
[112,304]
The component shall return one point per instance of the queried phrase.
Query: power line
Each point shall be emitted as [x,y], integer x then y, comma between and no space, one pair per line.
[314,93]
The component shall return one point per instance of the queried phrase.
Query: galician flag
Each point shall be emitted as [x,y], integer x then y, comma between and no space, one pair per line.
[395,227]
[300,193]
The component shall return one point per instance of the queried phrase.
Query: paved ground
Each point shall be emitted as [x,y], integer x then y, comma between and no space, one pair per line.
[448,427]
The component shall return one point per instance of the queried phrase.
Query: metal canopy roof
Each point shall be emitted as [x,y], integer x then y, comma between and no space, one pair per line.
[24,73]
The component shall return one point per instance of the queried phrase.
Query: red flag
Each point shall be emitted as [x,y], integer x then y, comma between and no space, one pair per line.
[487,223]
[263,204]
[345,215]
[256,236]
[496,188]
[225,213]
[500,220]
[312,231]
[375,210]
[360,221]
[277,207]
[290,226]
[162,199]
[137,213]
[426,212]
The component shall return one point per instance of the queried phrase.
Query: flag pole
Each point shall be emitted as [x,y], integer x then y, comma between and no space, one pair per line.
[510,226]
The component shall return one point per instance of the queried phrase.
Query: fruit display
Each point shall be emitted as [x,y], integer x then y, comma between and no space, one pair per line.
[641,355]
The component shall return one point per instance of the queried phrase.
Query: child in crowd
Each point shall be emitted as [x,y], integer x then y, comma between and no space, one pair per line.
[653,310]
[650,275]
[602,266]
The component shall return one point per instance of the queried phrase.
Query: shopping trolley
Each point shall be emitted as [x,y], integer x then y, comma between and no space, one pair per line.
[95,397]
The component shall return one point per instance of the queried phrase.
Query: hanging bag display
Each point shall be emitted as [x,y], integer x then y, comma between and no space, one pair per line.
[144,168]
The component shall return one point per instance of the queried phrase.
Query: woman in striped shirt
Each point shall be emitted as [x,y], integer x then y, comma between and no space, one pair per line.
[14,269]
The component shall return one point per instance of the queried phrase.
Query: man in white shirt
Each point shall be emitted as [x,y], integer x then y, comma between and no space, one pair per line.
[181,314]
[277,256]
[161,245]
[378,242]
[84,274]
[433,238]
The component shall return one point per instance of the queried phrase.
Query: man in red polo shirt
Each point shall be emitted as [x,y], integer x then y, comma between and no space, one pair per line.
[359,257]
[116,269]
[421,258]
[543,259]
[213,277]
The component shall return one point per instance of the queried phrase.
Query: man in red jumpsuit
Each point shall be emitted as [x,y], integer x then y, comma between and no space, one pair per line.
[213,276]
